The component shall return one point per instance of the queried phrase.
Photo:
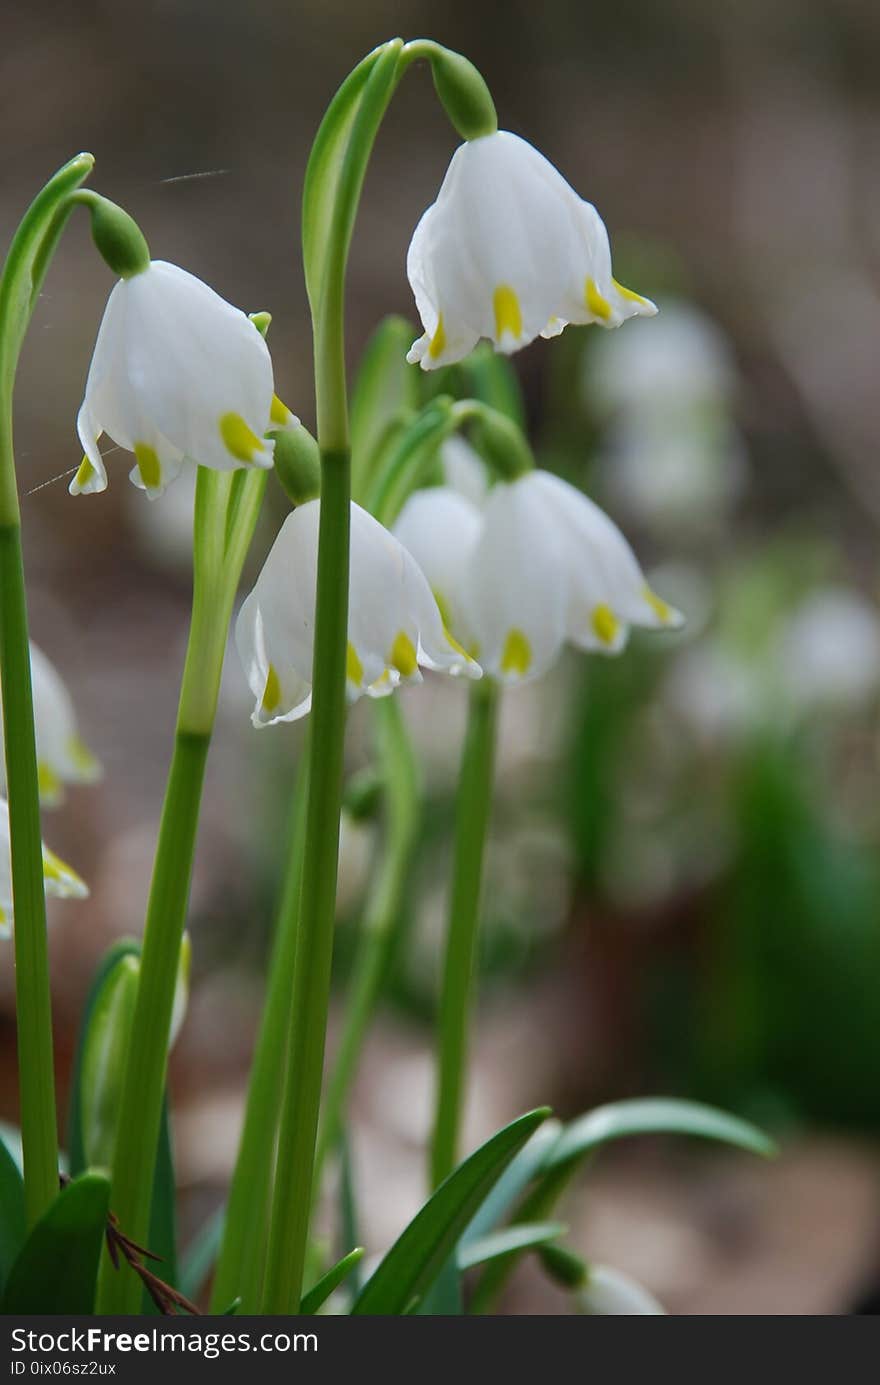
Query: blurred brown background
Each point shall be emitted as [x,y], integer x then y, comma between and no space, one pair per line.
[734,151]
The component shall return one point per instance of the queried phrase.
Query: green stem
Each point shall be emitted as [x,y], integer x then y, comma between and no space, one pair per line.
[23,273]
[239,1270]
[218,557]
[473,807]
[401,786]
[311,986]
[39,1133]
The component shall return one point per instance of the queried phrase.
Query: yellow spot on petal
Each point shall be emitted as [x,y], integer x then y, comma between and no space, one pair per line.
[279,412]
[517,654]
[508,314]
[354,669]
[631,295]
[438,341]
[240,441]
[605,624]
[403,655]
[272,691]
[47,780]
[662,610]
[149,465]
[58,872]
[83,759]
[85,473]
[453,642]
[596,304]
[382,680]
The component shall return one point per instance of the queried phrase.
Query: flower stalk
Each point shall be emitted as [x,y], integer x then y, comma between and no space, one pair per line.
[227,506]
[23,273]
[473,809]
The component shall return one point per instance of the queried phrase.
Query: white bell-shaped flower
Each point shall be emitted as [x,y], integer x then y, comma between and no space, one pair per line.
[611,1293]
[62,756]
[509,251]
[540,565]
[177,372]
[394,624]
[58,878]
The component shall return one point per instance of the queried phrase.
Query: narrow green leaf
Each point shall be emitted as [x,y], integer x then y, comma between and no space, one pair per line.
[126,947]
[444,1298]
[349,1221]
[653,1116]
[386,390]
[163,1213]
[56,1269]
[324,167]
[200,1256]
[418,1255]
[320,1292]
[513,1182]
[13,1219]
[526,1236]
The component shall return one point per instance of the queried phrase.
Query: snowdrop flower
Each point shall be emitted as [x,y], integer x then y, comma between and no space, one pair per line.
[829,652]
[611,1293]
[177,372]
[58,878]
[464,469]
[539,566]
[509,251]
[62,756]
[394,624]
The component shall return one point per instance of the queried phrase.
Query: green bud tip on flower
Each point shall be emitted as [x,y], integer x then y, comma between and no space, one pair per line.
[462,91]
[503,443]
[118,238]
[261,321]
[363,794]
[564,1266]
[298,464]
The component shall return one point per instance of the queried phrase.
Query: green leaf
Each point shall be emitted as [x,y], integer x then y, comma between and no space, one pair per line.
[320,1292]
[163,1212]
[323,171]
[13,1220]
[653,1116]
[56,1269]
[201,1254]
[385,394]
[513,1182]
[126,947]
[418,1255]
[526,1236]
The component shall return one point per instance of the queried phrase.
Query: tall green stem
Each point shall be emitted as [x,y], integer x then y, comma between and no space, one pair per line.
[473,808]
[401,789]
[219,553]
[346,142]
[23,272]
[240,1265]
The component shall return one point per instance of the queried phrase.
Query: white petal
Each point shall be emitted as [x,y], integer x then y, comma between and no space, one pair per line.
[464,470]
[515,587]
[610,1292]
[440,529]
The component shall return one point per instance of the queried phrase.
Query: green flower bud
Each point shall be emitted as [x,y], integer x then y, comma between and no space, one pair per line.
[117,236]
[463,92]
[563,1265]
[502,443]
[104,1059]
[298,464]
[362,798]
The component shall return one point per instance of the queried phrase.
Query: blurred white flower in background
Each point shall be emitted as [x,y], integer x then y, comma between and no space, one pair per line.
[829,652]
[610,1292]
[671,456]
[58,878]
[507,252]
[62,755]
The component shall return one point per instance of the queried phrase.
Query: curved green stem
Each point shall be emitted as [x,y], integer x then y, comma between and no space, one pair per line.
[401,784]
[473,808]
[219,553]
[23,273]
[239,1272]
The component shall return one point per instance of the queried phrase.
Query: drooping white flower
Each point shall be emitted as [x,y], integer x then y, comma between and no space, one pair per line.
[539,566]
[58,878]
[509,251]
[610,1292]
[829,652]
[394,624]
[464,469]
[177,373]
[62,756]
